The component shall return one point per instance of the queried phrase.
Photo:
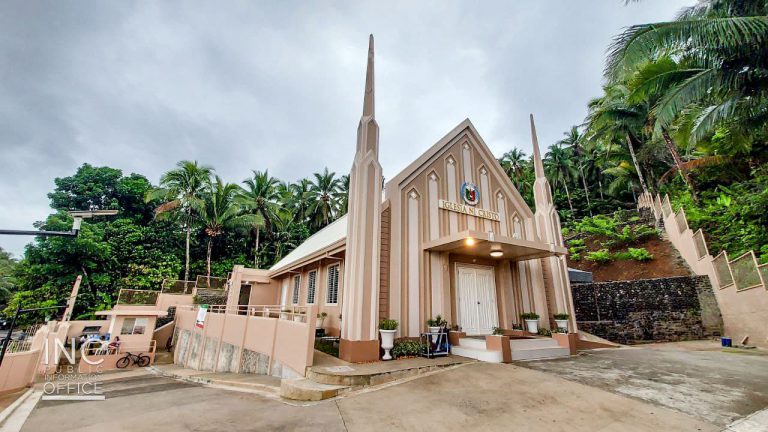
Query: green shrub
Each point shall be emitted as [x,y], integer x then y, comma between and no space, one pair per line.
[407,348]
[575,257]
[327,347]
[640,254]
[601,256]
[529,316]
[561,330]
[388,324]
[561,316]
[544,332]
[498,331]
[436,322]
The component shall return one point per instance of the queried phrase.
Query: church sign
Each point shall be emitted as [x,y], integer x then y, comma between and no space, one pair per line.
[468,210]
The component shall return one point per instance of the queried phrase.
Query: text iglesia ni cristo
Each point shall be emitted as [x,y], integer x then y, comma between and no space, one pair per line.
[469,210]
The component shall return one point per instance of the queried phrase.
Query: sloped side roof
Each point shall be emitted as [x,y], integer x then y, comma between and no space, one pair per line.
[318,241]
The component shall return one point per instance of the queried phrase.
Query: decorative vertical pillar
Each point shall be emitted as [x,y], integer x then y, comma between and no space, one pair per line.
[359,330]
[548,229]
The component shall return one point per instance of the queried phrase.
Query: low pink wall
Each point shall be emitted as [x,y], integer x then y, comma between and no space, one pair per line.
[265,294]
[18,370]
[76,327]
[287,341]
[164,301]
[291,347]
[110,360]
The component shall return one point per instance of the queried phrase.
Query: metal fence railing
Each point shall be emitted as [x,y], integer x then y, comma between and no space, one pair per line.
[682,222]
[137,297]
[744,271]
[212,283]
[666,207]
[173,286]
[17,346]
[723,270]
[292,313]
[701,244]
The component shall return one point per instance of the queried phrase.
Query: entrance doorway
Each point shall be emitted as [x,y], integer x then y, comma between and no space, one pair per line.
[476,292]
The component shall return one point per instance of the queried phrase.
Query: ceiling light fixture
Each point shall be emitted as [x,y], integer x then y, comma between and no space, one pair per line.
[470,241]
[496,251]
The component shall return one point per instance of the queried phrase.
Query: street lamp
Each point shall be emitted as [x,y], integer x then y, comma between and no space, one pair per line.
[77,219]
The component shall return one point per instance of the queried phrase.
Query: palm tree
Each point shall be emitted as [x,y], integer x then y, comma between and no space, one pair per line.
[513,162]
[220,211]
[260,196]
[295,198]
[572,141]
[325,195]
[344,195]
[721,44]
[613,119]
[558,162]
[181,189]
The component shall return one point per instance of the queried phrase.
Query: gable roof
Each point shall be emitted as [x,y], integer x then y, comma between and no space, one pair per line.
[328,236]
[443,144]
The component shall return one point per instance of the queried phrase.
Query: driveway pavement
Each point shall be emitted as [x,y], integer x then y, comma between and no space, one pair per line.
[477,396]
[696,378]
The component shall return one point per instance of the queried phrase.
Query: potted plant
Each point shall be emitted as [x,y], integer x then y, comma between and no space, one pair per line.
[434,326]
[285,314]
[561,319]
[531,321]
[387,329]
[320,319]
[299,316]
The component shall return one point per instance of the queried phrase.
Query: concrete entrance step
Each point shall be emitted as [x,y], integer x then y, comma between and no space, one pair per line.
[539,353]
[481,354]
[303,389]
[470,342]
[519,344]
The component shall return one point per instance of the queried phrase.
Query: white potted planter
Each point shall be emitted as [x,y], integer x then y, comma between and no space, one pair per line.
[387,329]
[284,315]
[434,327]
[298,317]
[561,320]
[531,322]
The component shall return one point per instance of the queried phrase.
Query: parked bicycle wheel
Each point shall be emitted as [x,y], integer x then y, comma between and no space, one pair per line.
[123,362]
[143,361]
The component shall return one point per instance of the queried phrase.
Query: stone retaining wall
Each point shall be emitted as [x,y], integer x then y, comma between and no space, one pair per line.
[648,310]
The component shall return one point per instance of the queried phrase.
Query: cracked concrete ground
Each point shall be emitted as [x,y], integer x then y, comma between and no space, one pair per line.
[695,378]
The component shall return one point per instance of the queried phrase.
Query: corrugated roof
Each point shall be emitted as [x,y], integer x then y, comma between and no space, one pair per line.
[327,236]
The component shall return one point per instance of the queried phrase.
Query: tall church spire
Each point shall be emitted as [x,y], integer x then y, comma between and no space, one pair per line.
[368,100]
[360,290]
[557,285]
[538,164]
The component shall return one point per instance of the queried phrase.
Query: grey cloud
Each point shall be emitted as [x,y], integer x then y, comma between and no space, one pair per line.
[278,85]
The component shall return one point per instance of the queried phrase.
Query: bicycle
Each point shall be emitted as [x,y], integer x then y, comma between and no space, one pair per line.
[137,359]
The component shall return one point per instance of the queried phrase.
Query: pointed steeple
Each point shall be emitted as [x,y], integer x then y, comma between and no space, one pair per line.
[360,290]
[368,101]
[538,164]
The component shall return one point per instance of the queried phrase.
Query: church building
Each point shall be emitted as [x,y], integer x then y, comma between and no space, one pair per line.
[450,235]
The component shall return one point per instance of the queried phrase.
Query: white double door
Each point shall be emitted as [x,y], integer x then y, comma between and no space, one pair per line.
[476,291]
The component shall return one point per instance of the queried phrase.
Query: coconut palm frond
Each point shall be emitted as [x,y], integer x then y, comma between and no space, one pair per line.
[701,162]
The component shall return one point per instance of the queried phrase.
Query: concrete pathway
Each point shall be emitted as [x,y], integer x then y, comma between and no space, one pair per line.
[696,378]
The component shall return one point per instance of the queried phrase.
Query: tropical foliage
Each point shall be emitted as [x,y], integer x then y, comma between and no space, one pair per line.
[192,223]
[684,111]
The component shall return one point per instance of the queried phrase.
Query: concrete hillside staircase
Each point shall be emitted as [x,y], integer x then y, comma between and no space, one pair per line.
[522,349]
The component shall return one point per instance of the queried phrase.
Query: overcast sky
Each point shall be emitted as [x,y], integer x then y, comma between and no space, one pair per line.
[279,85]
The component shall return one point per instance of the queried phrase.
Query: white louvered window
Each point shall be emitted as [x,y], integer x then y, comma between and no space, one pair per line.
[296,289]
[333,284]
[311,285]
